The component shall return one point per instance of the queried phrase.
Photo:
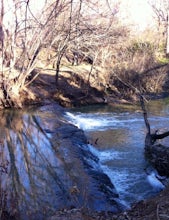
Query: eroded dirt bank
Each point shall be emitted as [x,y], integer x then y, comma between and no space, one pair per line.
[76,86]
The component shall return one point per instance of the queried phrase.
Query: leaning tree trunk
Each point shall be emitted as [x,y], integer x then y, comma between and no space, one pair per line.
[167,35]
[10,93]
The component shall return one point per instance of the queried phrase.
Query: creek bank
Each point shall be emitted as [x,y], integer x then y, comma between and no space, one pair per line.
[154,208]
[73,90]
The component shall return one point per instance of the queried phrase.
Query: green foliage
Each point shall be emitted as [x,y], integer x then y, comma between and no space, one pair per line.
[163,60]
[141,47]
[161,55]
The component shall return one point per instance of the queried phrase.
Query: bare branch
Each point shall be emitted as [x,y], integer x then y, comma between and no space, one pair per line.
[145,114]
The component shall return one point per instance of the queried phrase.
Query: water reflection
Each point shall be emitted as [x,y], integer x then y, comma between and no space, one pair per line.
[28,177]
[42,168]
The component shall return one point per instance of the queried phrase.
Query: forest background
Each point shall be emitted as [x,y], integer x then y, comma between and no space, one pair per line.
[113,50]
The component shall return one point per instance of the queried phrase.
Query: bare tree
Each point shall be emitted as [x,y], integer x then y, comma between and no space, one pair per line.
[161,10]
[85,28]
[22,39]
[88,32]
[1,22]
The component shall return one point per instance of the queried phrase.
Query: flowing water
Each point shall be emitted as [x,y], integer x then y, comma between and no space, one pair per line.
[46,164]
[117,137]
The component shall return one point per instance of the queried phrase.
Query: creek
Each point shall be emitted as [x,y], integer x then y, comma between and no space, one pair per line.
[48,164]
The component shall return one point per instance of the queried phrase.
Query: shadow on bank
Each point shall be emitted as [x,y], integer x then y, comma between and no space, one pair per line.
[70,90]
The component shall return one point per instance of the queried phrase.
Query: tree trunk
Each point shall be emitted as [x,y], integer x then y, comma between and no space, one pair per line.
[9,95]
[59,58]
[167,37]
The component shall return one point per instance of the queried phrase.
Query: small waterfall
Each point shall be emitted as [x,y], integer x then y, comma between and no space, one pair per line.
[118,141]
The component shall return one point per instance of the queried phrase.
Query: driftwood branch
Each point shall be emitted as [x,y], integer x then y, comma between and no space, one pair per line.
[151,138]
[161,136]
[145,114]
